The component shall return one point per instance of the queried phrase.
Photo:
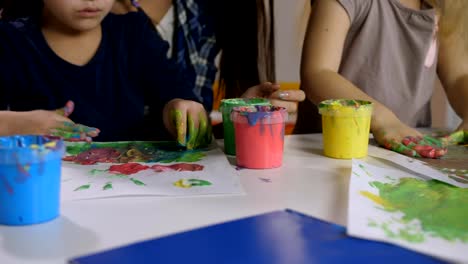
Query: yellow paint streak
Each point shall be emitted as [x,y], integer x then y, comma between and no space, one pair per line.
[376,199]
[181,184]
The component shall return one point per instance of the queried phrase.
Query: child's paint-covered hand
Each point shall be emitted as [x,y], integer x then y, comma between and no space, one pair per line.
[188,122]
[56,123]
[282,98]
[407,141]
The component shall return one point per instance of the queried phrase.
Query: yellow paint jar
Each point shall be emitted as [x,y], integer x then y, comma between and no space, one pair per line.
[345,125]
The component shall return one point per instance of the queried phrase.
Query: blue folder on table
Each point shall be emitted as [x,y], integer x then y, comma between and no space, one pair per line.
[277,237]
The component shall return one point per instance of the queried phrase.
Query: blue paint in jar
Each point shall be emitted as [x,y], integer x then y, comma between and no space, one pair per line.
[30,169]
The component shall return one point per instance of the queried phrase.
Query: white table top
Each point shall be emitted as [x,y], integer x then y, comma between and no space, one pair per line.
[307,182]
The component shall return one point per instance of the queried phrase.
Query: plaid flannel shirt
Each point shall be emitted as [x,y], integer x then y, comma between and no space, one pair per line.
[195,47]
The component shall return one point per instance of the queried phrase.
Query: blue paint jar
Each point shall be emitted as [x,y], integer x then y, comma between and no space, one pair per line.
[30,168]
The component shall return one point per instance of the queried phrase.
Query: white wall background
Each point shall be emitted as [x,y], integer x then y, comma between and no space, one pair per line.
[290,19]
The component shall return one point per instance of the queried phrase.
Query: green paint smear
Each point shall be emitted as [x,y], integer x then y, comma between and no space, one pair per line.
[197,182]
[108,186]
[161,151]
[83,187]
[95,172]
[441,209]
[407,233]
[137,182]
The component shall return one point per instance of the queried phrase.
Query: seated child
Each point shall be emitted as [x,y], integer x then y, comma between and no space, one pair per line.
[110,66]
[388,52]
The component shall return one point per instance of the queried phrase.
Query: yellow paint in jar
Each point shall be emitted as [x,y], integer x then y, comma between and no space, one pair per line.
[345,125]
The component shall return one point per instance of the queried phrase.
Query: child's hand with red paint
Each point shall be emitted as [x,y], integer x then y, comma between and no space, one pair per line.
[188,122]
[400,138]
[283,98]
[56,123]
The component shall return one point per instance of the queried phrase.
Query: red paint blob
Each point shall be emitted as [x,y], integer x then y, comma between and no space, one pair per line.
[93,156]
[132,168]
[127,168]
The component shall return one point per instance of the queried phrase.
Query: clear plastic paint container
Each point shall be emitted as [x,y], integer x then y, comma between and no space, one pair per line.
[226,107]
[30,169]
[345,125]
[259,134]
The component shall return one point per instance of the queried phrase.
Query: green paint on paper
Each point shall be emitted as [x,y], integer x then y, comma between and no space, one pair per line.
[408,233]
[441,209]
[117,176]
[108,186]
[137,182]
[364,169]
[189,183]
[83,187]
[196,182]
[95,172]
[372,223]
[356,174]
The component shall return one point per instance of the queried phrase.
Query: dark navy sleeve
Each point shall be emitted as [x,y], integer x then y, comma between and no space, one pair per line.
[5,65]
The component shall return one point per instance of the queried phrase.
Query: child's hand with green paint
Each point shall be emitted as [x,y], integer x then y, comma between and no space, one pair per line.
[56,123]
[188,122]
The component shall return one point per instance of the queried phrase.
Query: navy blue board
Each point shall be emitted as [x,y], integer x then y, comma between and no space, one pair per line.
[277,237]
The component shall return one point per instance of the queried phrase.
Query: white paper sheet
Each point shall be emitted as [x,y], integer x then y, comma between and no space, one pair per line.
[416,166]
[218,177]
[380,212]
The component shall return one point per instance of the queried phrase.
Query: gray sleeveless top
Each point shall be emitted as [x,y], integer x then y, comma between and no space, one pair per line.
[386,55]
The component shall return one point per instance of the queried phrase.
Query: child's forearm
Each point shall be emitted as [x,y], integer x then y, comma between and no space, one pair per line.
[458,97]
[8,122]
[326,84]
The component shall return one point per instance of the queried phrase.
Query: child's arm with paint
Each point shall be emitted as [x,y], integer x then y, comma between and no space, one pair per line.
[170,93]
[43,122]
[188,122]
[327,30]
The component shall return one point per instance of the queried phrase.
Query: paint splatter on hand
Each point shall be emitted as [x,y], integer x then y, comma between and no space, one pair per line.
[457,137]
[188,122]
[70,131]
[407,141]
[44,122]
[425,147]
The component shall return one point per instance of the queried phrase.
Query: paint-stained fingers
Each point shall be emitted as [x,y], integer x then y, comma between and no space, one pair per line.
[69,126]
[431,152]
[289,95]
[67,110]
[209,134]
[193,130]
[432,141]
[426,146]
[400,148]
[179,121]
[202,131]
[291,107]
[70,136]
[457,137]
